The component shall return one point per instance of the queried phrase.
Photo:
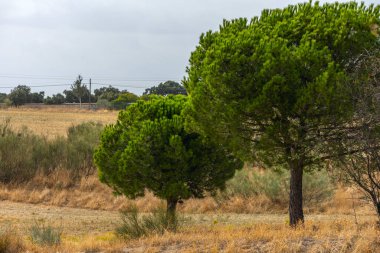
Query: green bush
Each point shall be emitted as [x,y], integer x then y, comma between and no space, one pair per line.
[317,186]
[81,142]
[135,226]
[17,154]
[43,234]
[23,153]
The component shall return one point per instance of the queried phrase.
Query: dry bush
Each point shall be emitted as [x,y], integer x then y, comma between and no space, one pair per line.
[273,187]
[59,190]
[10,242]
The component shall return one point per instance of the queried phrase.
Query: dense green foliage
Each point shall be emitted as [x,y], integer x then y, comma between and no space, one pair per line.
[149,148]
[275,89]
[23,154]
[166,88]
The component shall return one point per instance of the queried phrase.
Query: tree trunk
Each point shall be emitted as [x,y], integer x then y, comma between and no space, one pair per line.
[80,102]
[170,212]
[378,209]
[295,195]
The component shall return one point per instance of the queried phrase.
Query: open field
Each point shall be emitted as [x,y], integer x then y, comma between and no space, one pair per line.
[92,231]
[88,212]
[54,122]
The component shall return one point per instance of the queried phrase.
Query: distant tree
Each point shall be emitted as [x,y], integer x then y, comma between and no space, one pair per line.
[79,89]
[37,97]
[149,149]
[70,97]
[274,89]
[123,100]
[56,99]
[108,93]
[20,95]
[166,88]
[3,96]
[48,101]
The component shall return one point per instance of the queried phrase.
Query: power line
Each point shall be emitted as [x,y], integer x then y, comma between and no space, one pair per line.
[69,84]
[37,77]
[33,86]
[57,85]
[34,77]
[120,85]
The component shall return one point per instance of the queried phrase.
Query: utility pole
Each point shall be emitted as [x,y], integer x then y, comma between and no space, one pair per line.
[89,99]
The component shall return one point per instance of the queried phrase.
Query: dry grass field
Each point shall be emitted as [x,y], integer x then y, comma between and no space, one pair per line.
[53,122]
[91,231]
[88,212]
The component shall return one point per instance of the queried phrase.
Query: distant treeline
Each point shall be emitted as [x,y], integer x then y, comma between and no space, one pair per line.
[106,97]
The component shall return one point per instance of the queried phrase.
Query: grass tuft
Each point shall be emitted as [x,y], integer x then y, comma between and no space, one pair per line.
[136,226]
[45,235]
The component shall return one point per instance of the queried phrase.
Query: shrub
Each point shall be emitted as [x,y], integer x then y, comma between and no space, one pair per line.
[10,242]
[103,103]
[23,153]
[81,141]
[317,186]
[43,234]
[158,222]
[17,154]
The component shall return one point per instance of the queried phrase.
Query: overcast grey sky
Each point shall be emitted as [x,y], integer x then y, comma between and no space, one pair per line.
[135,43]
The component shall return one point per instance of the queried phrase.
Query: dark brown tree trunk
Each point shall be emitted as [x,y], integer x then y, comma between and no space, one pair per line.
[171,206]
[295,196]
[375,201]
[170,212]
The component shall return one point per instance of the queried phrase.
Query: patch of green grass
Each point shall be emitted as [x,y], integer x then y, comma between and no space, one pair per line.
[46,235]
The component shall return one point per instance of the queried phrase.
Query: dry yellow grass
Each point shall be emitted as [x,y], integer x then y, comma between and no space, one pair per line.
[339,236]
[53,122]
[91,231]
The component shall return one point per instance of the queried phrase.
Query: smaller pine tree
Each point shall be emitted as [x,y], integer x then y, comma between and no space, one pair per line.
[150,148]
